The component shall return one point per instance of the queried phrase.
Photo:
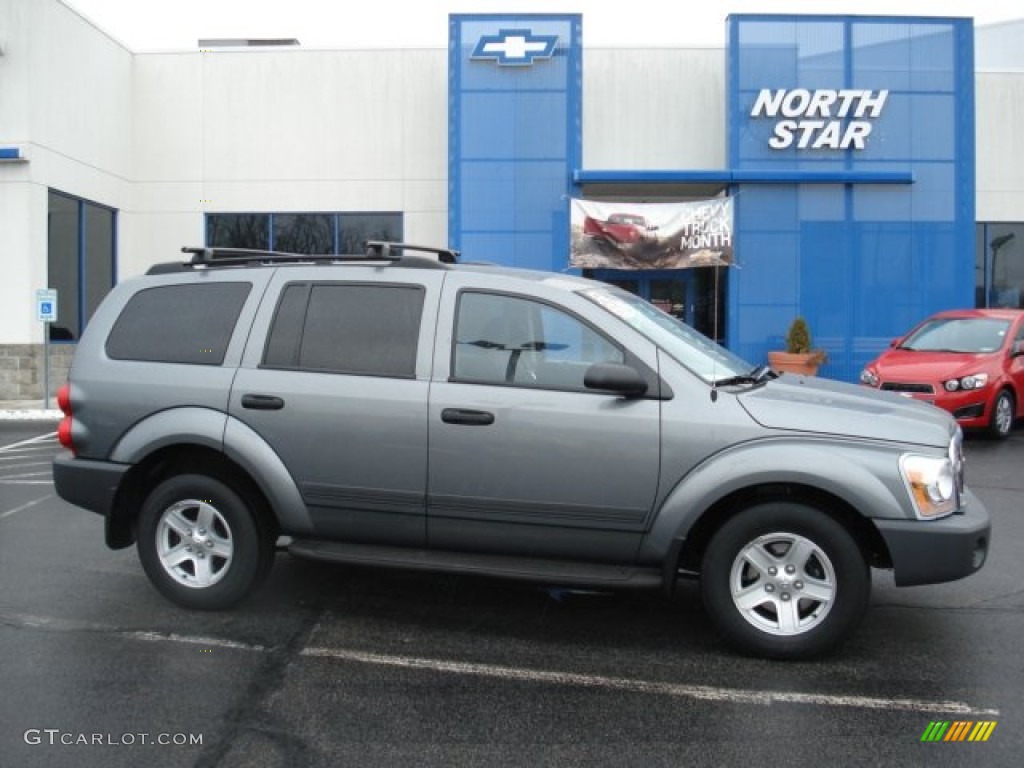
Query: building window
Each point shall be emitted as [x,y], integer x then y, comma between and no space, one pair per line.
[81,251]
[999,266]
[313,233]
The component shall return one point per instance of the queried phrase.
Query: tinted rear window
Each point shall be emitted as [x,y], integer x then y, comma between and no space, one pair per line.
[178,323]
[347,328]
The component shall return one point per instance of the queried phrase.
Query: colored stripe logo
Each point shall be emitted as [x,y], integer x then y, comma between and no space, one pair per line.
[958,730]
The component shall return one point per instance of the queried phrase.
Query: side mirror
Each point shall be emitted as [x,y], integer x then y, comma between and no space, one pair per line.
[1017,349]
[614,377]
[895,343]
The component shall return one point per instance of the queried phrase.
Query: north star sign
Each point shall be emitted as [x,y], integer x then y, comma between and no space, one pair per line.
[514,47]
[821,119]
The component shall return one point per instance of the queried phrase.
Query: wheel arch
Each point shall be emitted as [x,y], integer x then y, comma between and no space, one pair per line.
[177,459]
[853,483]
[866,535]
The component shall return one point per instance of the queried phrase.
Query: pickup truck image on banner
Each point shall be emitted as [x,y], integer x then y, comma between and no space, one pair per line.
[610,235]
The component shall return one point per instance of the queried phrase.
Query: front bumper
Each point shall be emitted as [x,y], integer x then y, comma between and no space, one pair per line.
[970,408]
[934,551]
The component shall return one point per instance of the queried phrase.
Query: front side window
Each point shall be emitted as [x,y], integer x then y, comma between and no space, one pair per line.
[350,328]
[514,341]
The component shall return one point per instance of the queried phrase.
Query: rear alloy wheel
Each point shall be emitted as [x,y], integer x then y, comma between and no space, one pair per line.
[784,581]
[199,543]
[1001,423]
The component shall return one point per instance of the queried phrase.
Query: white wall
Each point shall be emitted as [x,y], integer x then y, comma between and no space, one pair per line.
[652,109]
[65,101]
[286,130]
[999,105]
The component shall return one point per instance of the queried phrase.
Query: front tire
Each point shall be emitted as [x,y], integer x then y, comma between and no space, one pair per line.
[784,581]
[1000,425]
[200,544]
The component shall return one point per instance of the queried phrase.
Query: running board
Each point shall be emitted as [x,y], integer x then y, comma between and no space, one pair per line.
[559,572]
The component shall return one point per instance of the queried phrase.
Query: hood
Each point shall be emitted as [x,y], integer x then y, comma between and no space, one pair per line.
[924,367]
[810,404]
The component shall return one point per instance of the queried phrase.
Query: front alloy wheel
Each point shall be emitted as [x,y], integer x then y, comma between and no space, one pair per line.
[784,581]
[1001,423]
[783,584]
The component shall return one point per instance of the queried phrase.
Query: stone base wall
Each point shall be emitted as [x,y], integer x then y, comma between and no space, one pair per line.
[21,370]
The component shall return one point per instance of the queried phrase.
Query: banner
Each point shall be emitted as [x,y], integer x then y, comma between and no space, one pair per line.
[609,235]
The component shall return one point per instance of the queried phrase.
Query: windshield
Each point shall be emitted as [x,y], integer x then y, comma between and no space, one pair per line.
[693,349]
[958,334]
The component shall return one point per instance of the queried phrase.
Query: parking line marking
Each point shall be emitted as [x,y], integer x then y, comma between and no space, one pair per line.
[26,505]
[20,475]
[679,690]
[192,640]
[520,674]
[23,457]
[28,441]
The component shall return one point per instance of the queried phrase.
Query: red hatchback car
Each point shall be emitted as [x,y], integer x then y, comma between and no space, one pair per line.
[969,362]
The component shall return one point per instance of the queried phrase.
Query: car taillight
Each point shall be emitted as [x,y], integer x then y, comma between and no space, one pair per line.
[64,429]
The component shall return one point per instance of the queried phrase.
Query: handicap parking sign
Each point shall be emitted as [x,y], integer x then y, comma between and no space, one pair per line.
[46,305]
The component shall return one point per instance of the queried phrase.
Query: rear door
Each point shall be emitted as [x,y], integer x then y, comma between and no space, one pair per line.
[339,391]
[524,459]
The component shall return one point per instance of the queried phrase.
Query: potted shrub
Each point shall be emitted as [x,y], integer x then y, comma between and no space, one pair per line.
[800,355]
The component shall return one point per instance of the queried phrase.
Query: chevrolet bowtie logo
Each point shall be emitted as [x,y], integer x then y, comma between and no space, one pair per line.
[514,47]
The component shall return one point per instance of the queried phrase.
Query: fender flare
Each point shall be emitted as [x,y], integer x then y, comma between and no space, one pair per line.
[842,472]
[238,442]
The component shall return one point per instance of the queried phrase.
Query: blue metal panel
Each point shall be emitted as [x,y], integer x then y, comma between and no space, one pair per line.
[771,175]
[886,234]
[515,129]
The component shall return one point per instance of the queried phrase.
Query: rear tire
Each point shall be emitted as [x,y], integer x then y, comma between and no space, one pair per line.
[200,544]
[784,581]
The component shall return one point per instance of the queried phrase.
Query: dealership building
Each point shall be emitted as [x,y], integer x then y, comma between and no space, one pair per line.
[874,165]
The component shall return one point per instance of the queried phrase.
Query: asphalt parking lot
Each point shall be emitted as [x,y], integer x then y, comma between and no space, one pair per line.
[340,666]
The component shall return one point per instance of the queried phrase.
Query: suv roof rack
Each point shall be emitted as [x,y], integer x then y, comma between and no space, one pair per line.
[382,249]
[376,250]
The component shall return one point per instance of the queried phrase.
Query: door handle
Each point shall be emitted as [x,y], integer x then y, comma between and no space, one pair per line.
[466,416]
[262,402]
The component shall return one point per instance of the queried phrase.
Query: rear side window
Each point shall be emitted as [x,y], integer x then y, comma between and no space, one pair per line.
[353,328]
[178,323]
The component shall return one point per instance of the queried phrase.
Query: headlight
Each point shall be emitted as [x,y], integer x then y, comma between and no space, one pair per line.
[931,482]
[974,381]
[869,377]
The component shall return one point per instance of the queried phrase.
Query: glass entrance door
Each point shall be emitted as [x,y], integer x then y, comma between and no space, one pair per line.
[696,296]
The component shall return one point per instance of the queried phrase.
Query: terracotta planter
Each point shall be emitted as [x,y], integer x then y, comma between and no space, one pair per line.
[792,362]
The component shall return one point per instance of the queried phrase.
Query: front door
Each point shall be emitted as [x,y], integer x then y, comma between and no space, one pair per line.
[523,458]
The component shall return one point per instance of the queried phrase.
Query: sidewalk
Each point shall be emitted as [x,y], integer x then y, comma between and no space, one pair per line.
[29,410]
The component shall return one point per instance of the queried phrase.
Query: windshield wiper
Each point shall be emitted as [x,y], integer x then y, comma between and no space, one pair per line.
[755,376]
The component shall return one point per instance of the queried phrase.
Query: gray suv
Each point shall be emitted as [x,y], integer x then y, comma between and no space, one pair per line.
[407,411]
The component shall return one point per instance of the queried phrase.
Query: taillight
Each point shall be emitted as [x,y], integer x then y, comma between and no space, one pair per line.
[64,428]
